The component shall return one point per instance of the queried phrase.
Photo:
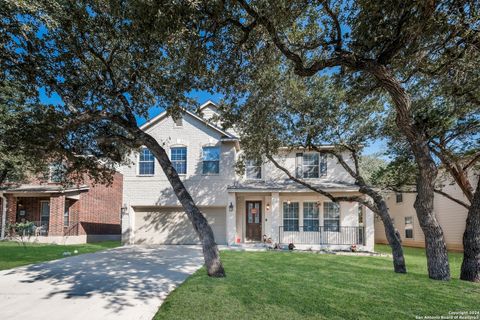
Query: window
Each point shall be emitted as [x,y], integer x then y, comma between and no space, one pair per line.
[253,169]
[57,172]
[409,227]
[66,214]
[290,216]
[179,159]
[211,160]
[311,165]
[146,163]
[310,216]
[399,197]
[331,216]
[178,121]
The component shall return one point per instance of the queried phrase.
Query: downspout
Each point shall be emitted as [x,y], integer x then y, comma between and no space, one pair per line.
[4,215]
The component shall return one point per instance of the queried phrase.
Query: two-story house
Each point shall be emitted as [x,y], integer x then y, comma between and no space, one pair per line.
[263,203]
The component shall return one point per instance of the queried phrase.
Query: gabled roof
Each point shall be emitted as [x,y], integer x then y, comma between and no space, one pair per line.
[164,114]
[208,103]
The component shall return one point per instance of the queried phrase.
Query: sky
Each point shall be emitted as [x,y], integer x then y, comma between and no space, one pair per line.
[202,97]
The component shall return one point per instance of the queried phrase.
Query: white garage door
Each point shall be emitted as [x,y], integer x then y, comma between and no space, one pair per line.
[172,226]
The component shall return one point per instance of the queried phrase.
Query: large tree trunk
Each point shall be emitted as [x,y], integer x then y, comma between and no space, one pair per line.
[393,237]
[200,225]
[471,241]
[436,249]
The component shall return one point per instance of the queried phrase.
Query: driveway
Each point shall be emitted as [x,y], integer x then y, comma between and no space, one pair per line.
[122,283]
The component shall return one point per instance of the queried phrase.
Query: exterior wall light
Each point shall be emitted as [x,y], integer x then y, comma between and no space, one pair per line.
[230,207]
[268,207]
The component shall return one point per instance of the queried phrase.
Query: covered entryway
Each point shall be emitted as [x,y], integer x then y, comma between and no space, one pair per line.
[154,225]
[254,221]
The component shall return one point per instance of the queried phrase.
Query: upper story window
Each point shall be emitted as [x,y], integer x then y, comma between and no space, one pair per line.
[253,169]
[311,165]
[211,160]
[146,163]
[179,159]
[57,171]
[399,197]
[331,216]
[178,121]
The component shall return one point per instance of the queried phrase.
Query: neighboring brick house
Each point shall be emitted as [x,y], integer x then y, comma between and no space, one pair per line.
[75,214]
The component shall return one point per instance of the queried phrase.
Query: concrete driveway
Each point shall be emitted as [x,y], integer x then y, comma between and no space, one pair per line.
[122,283]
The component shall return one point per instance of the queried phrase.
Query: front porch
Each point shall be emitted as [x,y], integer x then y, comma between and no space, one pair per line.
[42,215]
[306,219]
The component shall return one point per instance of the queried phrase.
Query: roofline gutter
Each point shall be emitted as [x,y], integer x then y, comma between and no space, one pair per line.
[49,191]
[287,191]
[4,215]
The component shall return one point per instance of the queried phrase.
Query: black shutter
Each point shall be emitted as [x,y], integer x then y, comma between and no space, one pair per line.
[323,164]
[299,165]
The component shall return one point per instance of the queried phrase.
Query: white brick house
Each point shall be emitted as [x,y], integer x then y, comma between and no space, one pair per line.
[262,204]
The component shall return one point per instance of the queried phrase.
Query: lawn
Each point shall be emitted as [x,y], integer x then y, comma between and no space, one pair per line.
[296,285]
[13,254]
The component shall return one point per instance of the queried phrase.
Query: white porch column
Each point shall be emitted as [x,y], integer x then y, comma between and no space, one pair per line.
[369,225]
[275,216]
[231,219]
[128,225]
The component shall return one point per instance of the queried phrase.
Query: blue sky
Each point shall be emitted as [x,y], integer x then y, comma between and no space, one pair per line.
[201,97]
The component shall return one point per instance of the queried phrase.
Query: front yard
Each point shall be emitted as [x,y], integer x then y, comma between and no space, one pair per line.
[295,285]
[13,254]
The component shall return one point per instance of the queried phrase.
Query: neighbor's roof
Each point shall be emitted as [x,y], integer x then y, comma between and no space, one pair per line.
[45,188]
[163,115]
[288,185]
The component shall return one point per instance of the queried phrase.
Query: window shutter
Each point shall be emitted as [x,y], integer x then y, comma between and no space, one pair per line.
[323,164]
[299,165]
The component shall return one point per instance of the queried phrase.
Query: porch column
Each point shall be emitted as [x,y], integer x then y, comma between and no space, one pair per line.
[57,207]
[231,218]
[275,220]
[369,226]
[127,225]
[11,208]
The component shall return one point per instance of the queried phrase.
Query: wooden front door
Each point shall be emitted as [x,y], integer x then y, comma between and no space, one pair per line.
[254,221]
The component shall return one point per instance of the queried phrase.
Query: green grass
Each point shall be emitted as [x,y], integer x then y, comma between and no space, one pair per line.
[295,285]
[13,254]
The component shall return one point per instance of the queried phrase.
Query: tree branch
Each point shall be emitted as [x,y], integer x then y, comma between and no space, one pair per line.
[358,199]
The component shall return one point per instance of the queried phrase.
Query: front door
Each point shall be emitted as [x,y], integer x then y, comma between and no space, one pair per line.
[254,221]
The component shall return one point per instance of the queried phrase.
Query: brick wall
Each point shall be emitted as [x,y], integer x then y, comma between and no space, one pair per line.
[11,208]
[57,207]
[99,208]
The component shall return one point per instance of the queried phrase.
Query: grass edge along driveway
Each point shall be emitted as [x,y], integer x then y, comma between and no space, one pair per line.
[297,285]
[14,254]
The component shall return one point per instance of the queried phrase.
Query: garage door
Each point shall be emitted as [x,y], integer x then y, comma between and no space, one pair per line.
[172,226]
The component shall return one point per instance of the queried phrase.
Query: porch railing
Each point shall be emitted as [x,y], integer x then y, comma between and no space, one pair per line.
[322,235]
[41,228]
